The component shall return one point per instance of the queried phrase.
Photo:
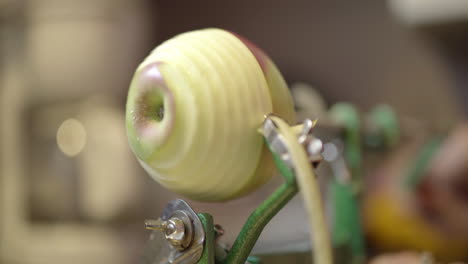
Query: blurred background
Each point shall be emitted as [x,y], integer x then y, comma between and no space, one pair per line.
[71,191]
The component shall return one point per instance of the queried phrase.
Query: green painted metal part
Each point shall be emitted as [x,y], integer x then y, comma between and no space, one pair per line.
[258,219]
[208,255]
[347,230]
[346,227]
[348,116]
[385,121]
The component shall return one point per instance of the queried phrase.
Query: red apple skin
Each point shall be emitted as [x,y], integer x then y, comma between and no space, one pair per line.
[283,104]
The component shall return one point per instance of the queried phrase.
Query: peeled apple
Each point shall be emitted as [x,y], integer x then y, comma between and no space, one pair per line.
[194,108]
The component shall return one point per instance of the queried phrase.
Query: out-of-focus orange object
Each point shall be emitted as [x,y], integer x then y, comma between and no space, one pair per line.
[393,225]
[432,216]
[399,258]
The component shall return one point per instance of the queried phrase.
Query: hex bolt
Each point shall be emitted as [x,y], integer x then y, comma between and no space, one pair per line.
[175,233]
[175,230]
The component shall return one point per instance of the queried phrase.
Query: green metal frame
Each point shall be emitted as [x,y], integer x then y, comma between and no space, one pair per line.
[208,255]
[347,231]
[387,129]
[253,227]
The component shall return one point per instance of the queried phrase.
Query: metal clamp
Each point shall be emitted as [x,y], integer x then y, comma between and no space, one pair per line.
[177,237]
[312,145]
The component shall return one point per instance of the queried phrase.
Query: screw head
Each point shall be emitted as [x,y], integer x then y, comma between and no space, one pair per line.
[175,232]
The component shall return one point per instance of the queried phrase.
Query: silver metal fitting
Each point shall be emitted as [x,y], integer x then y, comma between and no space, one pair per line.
[178,229]
[178,236]
[312,145]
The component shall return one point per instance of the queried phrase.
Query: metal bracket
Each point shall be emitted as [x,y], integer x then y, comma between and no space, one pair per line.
[312,145]
[178,236]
